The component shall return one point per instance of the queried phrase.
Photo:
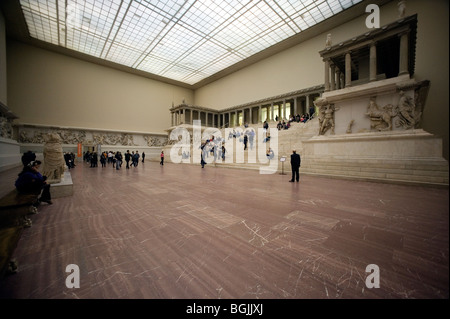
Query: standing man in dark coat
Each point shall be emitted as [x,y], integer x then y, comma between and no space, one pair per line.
[295,165]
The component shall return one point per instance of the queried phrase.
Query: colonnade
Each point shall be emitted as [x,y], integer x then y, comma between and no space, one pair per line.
[341,59]
[250,114]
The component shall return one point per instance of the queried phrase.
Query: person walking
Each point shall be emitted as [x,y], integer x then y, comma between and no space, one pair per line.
[295,166]
[119,158]
[127,158]
[162,158]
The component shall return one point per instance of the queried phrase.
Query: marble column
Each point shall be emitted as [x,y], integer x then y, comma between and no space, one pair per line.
[307,104]
[327,74]
[250,115]
[373,62]
[295,106]
[338,79]
[271,112]
[348,69]
[259,115]
[333,77]
[403,67]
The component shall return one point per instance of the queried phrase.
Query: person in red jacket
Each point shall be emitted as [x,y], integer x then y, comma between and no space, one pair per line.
[162,158]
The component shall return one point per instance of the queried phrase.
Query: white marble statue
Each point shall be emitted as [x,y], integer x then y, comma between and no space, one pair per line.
[54,163]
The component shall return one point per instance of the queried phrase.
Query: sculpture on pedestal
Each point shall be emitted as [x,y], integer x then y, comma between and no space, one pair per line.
[54,163]
[328,41]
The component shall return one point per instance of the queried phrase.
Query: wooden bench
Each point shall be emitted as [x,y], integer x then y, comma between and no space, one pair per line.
[14,208]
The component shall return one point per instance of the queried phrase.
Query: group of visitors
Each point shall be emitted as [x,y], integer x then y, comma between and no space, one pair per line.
[214,147]
[69,158]
[114,158]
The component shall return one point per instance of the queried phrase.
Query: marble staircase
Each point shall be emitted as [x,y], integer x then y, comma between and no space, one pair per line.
[346,158]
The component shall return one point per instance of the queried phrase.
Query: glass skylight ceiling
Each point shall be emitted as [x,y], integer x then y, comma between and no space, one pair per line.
[184,40]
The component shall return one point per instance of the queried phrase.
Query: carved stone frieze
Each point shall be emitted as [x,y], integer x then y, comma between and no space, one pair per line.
[113,139]
[407,114]
[37,135]
[326,115]
[409,111]
[155,141]
[5,127]
[380,117]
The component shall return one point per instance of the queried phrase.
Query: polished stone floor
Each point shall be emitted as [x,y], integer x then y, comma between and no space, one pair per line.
[182,232]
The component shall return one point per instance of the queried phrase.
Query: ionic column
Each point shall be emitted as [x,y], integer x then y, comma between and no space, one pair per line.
[338,79]
[251,116]
[327,74]
[307,104]
[284,110]
[373,62]
[333,80]
[348,69]
[295,106]
[259,114]
[271,112]
[403,68]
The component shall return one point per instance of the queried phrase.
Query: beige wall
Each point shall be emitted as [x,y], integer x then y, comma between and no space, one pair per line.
[301,66]
[52,89]
[287,71]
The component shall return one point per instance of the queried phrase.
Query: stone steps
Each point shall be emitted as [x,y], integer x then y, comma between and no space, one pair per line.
[414,171]
[422,171]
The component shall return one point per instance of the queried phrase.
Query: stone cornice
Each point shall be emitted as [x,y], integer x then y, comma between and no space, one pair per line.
[402,25]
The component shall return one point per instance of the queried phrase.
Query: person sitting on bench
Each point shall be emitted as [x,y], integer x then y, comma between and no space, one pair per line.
[31,181]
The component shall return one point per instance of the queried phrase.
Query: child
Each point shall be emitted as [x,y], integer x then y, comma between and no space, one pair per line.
[162,158]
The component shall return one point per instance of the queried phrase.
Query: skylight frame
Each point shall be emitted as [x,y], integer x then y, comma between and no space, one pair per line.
[182,40]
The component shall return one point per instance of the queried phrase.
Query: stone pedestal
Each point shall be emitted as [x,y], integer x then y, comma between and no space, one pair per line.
[64,187]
